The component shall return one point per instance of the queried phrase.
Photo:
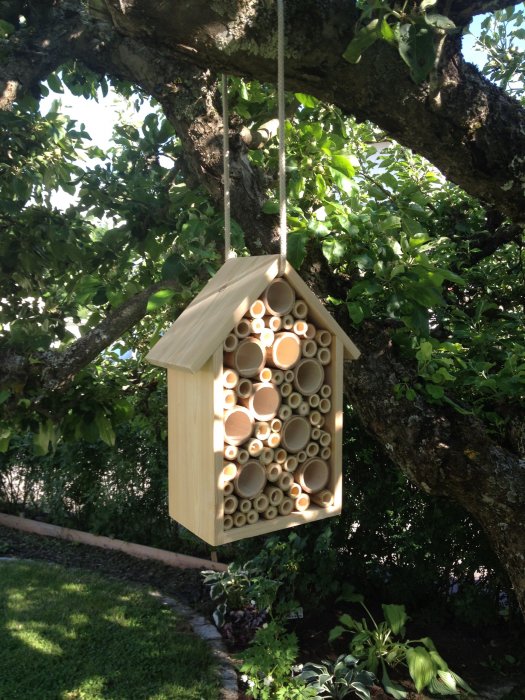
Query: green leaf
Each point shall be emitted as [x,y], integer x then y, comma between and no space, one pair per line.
[4,395]
[55,83]
[386,32]
[160,298]
[439,22]
[395,690]
[356,311]
[297,247]
[396,617]
[364,38]
[435,391]
[271,206]
[105,429]
[41,440]
[6,28]
[424,354]
[416,48]
[343,164]
[306,100]
[336,632]
[420,666]
[333,250]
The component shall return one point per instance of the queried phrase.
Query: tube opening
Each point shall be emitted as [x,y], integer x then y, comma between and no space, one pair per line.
[238,425]
[279,297]
[250,480]
[295,434]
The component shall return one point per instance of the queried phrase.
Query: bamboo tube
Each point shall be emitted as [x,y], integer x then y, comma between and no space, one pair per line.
[230,342]
[284,412]
[264,403]
[308,348]
[230,398]
[284,481]
[262,431]
[304,408]
[266,456]
[301,456]
[324,356]
[325,453]
[300,327]
[326,391]
[289,376]
[300,310]
[285,507]
[276,425]
[279,297]
[270,513]
[290,464]
[295,434]
[313,475]
[286,390]
[257,309]
[252,516]
[277,377]
[243,456]
[323,338]
[227,522]
[325,405]
[288,322]
[285,351]
[294,399]
[280,455]
[239,519]
[308,376]
[242,329]
[273,471]
[274,323]
[321,422]
[311,331]
[230,504]
[325,438]
[312,449]
[324,498]
[267,338]
[250,480]
[315,418]
[231,451]
[275,495]
[244,505]
[316,433]
[254,447]
[274,440]
[313,400]
[247,358]
[227,488]
[302,502]
[256,326]
[295,490]
[238,424]
[261,503]
[230,379]
[229,471]
[244,388]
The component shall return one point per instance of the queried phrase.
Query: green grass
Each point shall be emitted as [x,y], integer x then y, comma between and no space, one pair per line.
[71,635]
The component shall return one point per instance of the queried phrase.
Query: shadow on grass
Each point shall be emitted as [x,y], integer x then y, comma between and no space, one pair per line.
[71,635]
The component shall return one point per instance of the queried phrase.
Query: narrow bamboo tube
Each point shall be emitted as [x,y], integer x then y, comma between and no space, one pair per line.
[252,516]
[285,389]
[270,513]
[312,449]
[227,522]
[326,391]
[244,505]
[281,455]
[257,309]
[311,331]
[313,475]
[254,447]
[264,403]
[316,433]
[284,412]
[302,503]
[247,358]
[229,471]
[295,490]
[285,351]
[230,398]
[325,438]
[308,376]
[238,425]
[267,337]
[290,464]
[261,503]
[289,376]
[315,418]
[278,297]
[304,408]
[301,456]
[262,431]
[294,399]
[325,453]
[321,422]
[239,519]
[324,498]
[277,376]
[295,434]
[230,379]
[230,342]
[275,495]
[243,456]
[313,400]
[230,504]
[288,321]
[285,507]
[323,338]
[250,480]
[242,329]
[231,451]
[273,471]
[276,425]
[325,405]
[274,323]
[274,440]
[244,388]
[256,326]
[227,488]
[300,309]
[284,481]
[324,356]
[308,348]
[266,456]
[300,327]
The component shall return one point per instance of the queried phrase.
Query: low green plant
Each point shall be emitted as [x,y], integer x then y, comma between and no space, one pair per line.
[338,680]
[378,645]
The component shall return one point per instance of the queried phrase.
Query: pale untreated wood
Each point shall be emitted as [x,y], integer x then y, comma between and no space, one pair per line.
[181,561]
[334,421]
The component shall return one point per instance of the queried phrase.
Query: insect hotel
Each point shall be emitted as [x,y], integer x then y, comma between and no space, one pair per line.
[255,404]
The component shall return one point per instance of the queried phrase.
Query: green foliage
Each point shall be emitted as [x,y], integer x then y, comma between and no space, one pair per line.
[340,679]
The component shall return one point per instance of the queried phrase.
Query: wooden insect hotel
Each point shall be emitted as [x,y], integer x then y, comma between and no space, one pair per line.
[255,404]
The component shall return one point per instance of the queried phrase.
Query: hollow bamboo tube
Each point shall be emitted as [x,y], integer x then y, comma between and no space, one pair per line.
[254,447]
[321,422]
[313,475]
[275,425]
[324,498]
[274,323]
[308,348]
[295,434]
[308,376]
[247,358]
[323,338]
[231,451]
[312,449]
[261,503]
[325,405]
[262,431]
[252,516]
[326,391]
[300,327]
[227,522]
[313,400]
[243,456]
[294,400]
[325,453]
[288,322]
[230,398]
[295,490]
[229,471]
[250,480]
[304,408]
[324,356]
[238,425]
[244,388]
[244,505]
[285,389]
[290,464]
[239,519]
[285,351]
[274,440]
[230,504]
[242,329]
[264,403]
[289,376]
[278,297]
[227,488]
[230,342]
[284,481]
[273,471]
[325,438]
[230,379]
[301,456]
[300,309]
[277,377]
[266,456]
[285,507]
[274,494]
[270,513]
[316,433]
[311,331]
[280,455]
[302,503]
[315,418]
[267,338]
[256,326]
[284,412]
[257,309]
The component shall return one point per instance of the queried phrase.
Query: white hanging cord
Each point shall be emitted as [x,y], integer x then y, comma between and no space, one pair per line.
[228,252]
[281,115]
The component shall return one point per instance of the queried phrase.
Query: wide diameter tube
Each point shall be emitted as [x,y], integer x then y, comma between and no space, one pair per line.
[285,351]
[309,376]
[248,357]
[295,434]
[278,297]
[312,475]
[250,479]
[264,403]
[238,425]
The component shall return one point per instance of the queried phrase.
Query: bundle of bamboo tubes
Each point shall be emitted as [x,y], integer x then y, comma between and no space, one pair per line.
[277,454]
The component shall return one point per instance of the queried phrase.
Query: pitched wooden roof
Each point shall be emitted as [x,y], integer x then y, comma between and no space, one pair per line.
[206,322]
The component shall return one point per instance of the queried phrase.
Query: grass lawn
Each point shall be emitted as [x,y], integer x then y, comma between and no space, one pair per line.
[72,635]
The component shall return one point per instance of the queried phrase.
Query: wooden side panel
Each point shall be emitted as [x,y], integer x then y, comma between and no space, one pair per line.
[202,327]
[334,421]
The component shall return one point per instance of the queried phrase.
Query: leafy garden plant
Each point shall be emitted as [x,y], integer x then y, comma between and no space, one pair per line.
[338,680]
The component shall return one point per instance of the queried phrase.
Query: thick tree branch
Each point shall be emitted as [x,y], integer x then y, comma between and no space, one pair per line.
[462,11]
